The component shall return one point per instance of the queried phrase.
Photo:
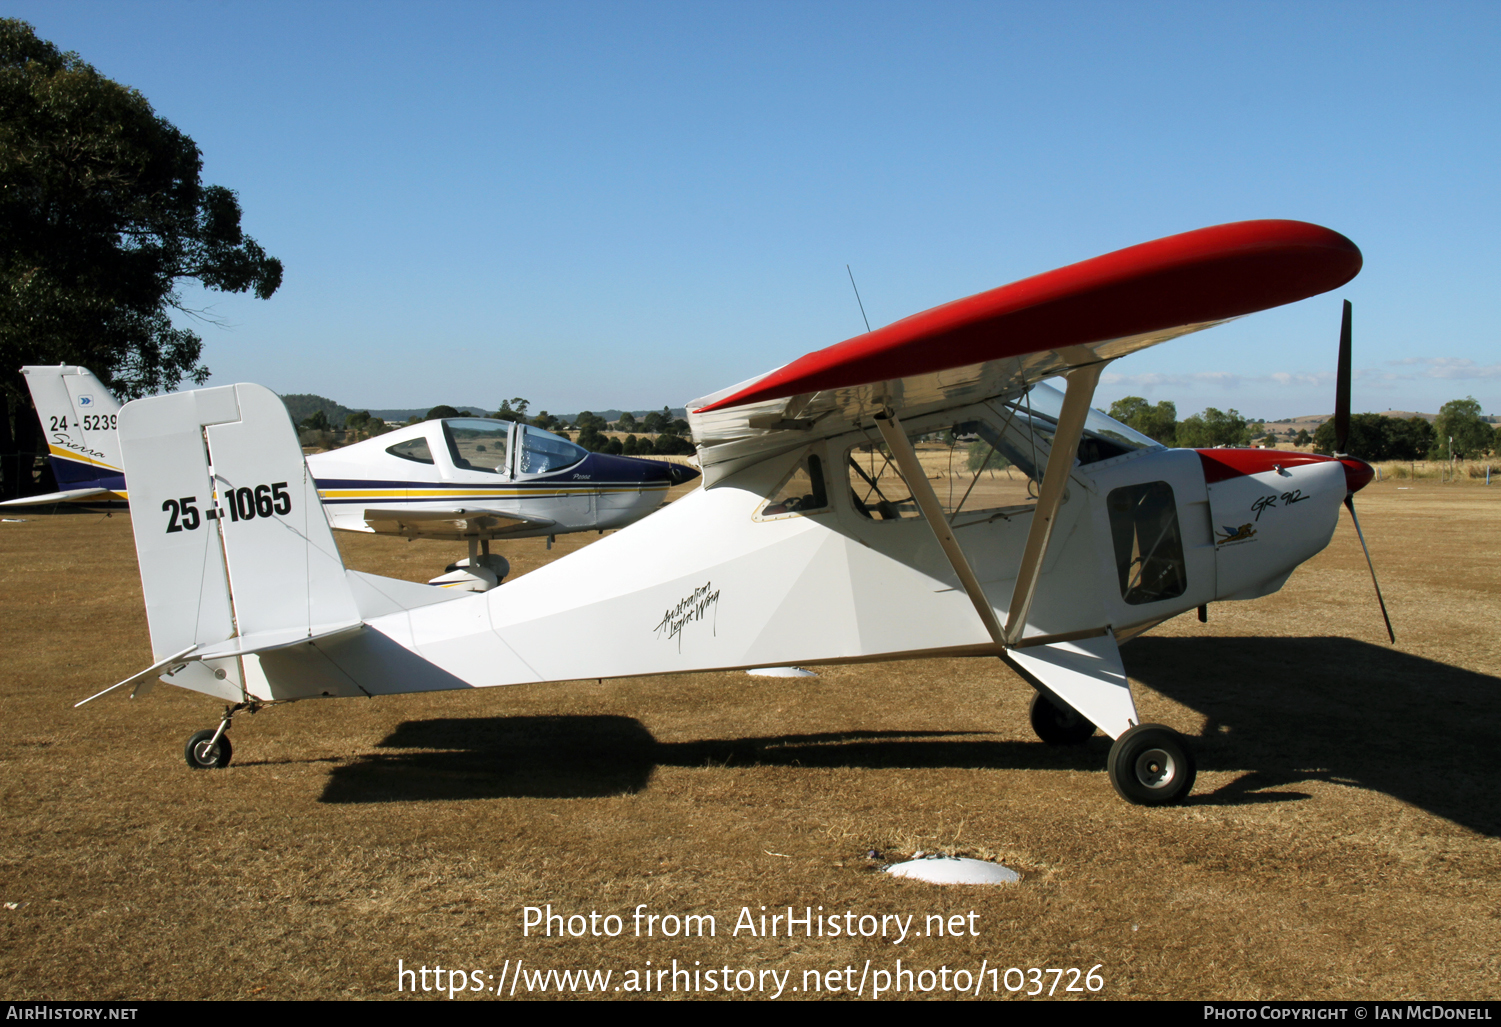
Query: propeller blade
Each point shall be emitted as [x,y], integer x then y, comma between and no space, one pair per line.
[1342,386]
[1350,505]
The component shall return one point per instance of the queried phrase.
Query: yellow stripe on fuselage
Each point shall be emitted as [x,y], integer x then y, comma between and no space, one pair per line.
[545,492]
[78,458]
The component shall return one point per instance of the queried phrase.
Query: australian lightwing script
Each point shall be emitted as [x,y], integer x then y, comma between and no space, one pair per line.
[695,607]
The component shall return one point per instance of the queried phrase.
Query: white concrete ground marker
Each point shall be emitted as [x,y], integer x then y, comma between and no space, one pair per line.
[938,869]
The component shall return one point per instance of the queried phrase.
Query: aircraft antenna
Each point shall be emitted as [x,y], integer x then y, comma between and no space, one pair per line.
[857,297]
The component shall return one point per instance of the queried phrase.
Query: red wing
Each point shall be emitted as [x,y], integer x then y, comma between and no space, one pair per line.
[1140,295]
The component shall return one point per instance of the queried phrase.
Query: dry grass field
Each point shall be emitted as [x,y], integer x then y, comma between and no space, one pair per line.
[1343,841]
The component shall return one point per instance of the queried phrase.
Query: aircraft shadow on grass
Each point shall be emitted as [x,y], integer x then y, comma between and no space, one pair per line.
[1282,710]
[581,756]
[1291,710]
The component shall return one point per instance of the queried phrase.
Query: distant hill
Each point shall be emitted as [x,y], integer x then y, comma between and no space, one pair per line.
[1309,422]
[304,405]
[1314,420]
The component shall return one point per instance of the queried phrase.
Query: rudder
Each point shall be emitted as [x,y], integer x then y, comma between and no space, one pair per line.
[236,556]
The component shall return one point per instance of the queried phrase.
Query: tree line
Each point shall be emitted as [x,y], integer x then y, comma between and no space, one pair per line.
[671,434]
[1372,436]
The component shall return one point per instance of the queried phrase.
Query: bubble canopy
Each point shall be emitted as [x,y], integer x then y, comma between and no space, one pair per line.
[485,444]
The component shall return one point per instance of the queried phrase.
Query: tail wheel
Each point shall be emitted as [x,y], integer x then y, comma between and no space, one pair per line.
[203,753]
[1059,725]
[1151,766]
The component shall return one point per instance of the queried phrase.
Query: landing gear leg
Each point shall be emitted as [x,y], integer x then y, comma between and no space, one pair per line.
[208,749]
[480,571]
[1150,766]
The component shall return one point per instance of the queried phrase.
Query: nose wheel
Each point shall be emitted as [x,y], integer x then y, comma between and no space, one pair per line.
[1150,766]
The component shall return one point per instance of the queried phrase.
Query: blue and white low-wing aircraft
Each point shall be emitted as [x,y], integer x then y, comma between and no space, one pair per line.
[79,417]
[465,479]
[848,513]
[475,480]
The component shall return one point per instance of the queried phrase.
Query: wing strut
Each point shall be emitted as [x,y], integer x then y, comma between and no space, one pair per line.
[927,502]
[1081,386]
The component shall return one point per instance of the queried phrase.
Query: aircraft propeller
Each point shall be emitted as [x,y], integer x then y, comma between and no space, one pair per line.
[1341,442]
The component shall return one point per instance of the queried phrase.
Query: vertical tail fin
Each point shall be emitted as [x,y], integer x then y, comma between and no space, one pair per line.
[236,555]
[79,418]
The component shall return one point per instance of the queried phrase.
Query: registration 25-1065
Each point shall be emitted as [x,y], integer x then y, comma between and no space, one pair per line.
[242,504]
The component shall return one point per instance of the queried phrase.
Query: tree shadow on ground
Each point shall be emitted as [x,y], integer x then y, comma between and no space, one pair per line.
[1333,709]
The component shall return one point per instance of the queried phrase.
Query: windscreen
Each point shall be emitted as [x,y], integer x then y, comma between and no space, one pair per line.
[542,451]
[1104,437]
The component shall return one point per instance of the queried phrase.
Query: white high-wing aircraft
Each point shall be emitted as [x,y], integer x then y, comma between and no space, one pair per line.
[465,479]
[847,514]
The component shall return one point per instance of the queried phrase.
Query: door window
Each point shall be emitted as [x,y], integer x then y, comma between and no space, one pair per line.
[1148,544]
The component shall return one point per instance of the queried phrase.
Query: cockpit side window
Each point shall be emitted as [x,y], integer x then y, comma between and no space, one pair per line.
[478,444]
[415,450]
[986,468]
[801,492]
[971,466]
[877,489]
[990,462]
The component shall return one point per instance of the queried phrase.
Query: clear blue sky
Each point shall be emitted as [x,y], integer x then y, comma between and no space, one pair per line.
[631,204]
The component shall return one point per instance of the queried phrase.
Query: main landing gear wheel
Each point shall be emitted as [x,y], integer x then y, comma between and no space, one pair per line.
[201,755]
[1059,725]
[1150,766]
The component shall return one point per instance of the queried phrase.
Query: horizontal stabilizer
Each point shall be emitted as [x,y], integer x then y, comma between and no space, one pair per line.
[142,675]
[58,497]
[266,641]
[352,664]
